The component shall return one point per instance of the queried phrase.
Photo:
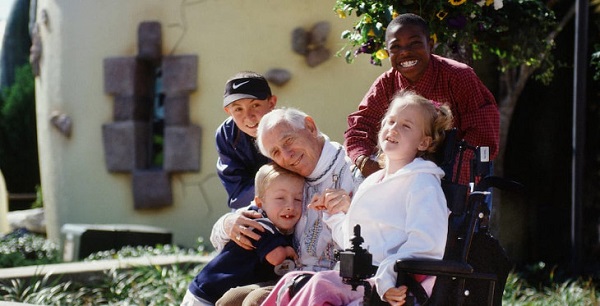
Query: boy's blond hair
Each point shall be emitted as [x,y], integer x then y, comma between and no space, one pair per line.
[267,174]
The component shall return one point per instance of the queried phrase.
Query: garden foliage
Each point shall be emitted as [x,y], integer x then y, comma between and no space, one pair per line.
[18,135]
[513,30]
[21,248]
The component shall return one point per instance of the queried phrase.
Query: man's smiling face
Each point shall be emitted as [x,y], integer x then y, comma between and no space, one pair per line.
[297,150]
[409,49]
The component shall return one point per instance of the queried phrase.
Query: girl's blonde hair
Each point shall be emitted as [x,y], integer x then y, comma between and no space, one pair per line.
[438,119]
[267,174]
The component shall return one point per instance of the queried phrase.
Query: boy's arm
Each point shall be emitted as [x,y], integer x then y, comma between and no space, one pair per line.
[279,254]
[236,178]
[236,224]
[218,235]
[363,124]
[478,112]
[274,247]
[360,137]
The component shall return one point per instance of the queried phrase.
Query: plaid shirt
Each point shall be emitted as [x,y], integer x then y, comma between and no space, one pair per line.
[446,81]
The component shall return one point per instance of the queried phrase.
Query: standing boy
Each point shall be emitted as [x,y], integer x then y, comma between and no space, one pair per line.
[246,100]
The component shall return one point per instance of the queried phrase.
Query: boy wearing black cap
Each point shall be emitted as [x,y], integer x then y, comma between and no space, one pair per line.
[246,100]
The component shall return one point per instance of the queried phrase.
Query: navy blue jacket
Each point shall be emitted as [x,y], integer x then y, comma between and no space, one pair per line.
[239,160]
[236,266]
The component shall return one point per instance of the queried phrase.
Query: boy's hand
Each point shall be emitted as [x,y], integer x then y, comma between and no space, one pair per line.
[317,203]
[370,166]
[279,254]
[396,296]
[332,200]
[240,228]
[291,253]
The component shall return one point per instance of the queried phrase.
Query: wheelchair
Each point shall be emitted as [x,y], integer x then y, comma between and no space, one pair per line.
[475,267]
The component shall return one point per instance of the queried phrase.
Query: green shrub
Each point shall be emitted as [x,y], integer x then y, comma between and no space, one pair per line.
[18,137]
[22,248]
[141,251]
[42,291]
[144,285]
[595,62]
[151,285]
[39,198]
[572,292]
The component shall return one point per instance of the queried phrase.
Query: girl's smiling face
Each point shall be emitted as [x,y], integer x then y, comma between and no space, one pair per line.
[402,133]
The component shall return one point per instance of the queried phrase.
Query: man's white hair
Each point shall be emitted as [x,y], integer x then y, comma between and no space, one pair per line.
[293,117]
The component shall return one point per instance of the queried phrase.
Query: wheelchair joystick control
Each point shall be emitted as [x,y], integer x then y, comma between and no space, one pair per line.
[356,264]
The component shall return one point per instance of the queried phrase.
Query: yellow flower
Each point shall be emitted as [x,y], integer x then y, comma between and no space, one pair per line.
[381,54]
[489,2]
[342,14]
[369,20]
[395,14]
[442,14]
[371,33]
[457,2]
[434,38]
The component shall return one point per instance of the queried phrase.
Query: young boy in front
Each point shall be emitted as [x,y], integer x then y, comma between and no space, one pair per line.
[279,198]
[246,100]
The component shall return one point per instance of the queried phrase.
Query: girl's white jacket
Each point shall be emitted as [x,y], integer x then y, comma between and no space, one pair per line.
[401,216]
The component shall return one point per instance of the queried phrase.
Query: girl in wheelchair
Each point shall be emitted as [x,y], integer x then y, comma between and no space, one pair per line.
[401,209]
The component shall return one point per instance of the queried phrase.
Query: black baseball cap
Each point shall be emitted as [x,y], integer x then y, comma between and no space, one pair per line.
[246,88]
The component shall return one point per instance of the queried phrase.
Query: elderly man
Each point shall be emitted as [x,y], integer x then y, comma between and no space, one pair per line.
[292,140]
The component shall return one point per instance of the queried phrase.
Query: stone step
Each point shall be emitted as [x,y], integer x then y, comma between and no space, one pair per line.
[86,270]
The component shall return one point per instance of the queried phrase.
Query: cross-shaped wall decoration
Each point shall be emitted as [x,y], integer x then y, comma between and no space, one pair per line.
[151,136]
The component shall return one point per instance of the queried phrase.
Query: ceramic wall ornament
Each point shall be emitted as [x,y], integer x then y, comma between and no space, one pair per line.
[278,76]
[312,43]
[62,122]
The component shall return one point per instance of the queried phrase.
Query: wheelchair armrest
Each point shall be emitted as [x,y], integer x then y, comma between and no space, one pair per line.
[433,267]
[499,183]
[449,268]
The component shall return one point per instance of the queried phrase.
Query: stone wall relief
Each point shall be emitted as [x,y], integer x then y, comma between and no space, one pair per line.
[151,136]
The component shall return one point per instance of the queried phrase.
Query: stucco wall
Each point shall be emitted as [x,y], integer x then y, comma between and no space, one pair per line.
[227,36]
